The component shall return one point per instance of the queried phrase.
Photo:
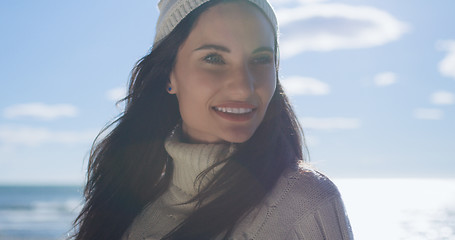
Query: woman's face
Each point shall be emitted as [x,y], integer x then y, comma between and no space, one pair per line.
[225,74]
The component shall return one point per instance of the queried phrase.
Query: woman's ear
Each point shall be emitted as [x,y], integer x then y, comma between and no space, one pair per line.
[170,89]
[171,86]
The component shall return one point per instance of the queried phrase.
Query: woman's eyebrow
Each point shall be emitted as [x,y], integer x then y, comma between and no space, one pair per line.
[213,47]
[225,49]
[264,49]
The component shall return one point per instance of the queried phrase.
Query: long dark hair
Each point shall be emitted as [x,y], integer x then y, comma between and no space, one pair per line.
[126,168]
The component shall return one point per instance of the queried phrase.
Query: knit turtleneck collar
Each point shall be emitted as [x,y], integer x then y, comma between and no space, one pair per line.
[192,159]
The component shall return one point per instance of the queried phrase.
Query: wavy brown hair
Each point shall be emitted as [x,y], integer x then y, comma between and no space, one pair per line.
[126,167]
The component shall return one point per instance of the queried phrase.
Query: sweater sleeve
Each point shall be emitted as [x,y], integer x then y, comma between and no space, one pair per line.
[327,222]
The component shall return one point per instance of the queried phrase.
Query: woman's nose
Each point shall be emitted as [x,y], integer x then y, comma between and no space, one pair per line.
[241,84]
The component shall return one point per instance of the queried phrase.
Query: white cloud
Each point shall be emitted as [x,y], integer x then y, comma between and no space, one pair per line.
[443,98]
[330,123]
[13,136]
[428,113]
[385,79]
[304,86]
[331,26]
[116,94]
[40,111]
[447,65]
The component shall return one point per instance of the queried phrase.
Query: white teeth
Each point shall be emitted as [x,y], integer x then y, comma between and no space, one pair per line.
[234,110]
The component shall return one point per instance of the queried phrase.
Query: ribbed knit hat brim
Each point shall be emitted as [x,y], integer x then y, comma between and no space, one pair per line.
[173,11]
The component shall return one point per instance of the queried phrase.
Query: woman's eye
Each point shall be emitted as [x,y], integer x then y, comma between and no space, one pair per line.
[214,58]
[264,59]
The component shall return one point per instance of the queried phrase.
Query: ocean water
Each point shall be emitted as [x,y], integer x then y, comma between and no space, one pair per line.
[38,212]
[392,209]
[401,209]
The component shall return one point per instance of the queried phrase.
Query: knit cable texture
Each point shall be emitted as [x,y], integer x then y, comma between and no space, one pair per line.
[173,11]
[302,205]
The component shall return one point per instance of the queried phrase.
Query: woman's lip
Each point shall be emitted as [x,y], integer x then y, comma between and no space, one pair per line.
[235,111]
[236,105]
[235,117]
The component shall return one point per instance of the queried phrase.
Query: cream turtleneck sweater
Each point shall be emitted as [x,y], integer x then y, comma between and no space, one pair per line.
[302,205]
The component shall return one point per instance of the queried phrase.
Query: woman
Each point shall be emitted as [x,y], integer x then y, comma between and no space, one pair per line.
[208,146]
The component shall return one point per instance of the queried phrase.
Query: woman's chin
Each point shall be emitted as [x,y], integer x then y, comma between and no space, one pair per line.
[238,137]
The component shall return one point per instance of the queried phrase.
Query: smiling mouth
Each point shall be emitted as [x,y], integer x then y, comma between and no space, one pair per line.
[233,110]
[239,114]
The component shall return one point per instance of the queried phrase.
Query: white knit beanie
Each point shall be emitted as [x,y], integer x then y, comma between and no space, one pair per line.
[173,11]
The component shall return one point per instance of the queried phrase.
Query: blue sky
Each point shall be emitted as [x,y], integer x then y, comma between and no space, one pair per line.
[372,81]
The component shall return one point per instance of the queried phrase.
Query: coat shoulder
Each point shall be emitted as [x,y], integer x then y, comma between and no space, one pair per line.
[297,195]
[306,185]
[300,192]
